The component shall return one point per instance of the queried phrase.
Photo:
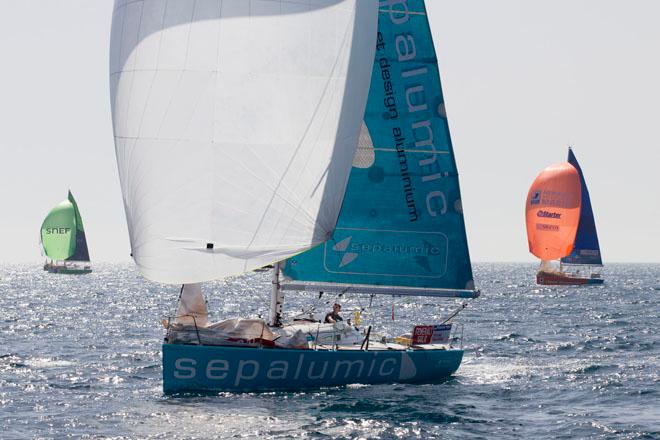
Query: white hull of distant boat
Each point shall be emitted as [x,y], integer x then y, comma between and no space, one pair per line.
[68,267]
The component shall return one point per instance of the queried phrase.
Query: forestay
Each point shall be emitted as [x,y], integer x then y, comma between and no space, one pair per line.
[235,125]
[401,229]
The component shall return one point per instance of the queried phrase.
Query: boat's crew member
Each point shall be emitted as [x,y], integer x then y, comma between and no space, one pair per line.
[334,316]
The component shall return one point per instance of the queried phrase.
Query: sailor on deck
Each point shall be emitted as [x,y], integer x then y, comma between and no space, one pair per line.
[334,317]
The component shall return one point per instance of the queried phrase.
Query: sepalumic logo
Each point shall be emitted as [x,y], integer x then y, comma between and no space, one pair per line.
[347,257]
[536,198]
[424,253]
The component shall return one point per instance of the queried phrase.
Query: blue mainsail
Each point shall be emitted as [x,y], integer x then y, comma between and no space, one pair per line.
[585,248]
[401,223]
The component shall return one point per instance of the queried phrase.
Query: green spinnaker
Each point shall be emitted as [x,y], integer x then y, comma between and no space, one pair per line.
[62,233]
[58,232]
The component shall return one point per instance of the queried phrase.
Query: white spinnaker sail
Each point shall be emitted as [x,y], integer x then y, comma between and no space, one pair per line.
[235,125]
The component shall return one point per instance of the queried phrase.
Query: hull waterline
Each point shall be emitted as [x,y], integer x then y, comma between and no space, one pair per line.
[67,270]
[199,368]
[71,271]
[559,279]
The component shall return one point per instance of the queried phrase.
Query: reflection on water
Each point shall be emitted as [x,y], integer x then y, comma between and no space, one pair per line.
[81,356]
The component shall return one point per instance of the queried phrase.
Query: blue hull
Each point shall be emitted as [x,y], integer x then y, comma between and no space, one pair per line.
[200,368]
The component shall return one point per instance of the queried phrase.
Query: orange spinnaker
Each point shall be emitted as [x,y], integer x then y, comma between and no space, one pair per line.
[553,211]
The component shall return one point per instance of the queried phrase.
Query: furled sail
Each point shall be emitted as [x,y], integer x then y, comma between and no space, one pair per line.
[192,308]
[235,126]
[553,211]
[586,249]
[401,228]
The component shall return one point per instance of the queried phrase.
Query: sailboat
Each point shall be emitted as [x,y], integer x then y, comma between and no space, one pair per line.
[312,137]
[63,240]
[561,226]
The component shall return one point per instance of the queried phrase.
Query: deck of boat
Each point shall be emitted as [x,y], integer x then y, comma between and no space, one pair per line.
[380,346]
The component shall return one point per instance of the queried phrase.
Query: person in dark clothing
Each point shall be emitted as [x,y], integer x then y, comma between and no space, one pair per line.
[334,317]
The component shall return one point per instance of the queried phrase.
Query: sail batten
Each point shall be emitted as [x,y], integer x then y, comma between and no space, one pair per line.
[401,224]
[235,122]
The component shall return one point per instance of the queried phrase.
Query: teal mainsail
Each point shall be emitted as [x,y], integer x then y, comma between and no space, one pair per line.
[401,228]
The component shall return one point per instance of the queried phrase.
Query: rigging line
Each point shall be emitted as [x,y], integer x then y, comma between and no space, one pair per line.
[179,299]
[455,312]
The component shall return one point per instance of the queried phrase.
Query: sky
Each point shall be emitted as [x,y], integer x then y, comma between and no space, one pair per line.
[522,80]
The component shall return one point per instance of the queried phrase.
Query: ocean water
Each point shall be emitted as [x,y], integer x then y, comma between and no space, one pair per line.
[80,357]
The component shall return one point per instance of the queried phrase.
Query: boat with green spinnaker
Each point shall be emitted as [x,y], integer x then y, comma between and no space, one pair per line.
[63,240]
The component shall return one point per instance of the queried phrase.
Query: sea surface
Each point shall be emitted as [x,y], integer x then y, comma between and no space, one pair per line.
[80,357]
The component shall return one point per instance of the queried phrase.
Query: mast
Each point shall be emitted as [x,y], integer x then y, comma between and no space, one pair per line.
[276,299]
